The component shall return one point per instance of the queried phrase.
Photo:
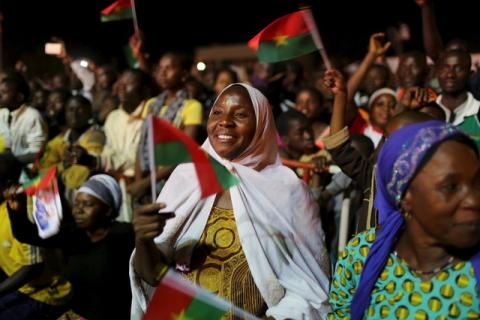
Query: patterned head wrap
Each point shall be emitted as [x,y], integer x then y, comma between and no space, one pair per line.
[399,160]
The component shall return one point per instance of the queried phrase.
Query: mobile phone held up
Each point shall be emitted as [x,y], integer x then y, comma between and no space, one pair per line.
[53,48]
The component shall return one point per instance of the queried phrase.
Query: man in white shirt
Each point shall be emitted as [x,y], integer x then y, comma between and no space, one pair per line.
[122,130]
[27,131]
[4,130]
[461,108]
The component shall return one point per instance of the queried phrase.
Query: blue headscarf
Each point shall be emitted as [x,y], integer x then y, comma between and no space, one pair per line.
[399,159]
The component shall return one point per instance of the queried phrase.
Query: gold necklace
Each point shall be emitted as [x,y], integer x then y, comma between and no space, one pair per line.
[430,272]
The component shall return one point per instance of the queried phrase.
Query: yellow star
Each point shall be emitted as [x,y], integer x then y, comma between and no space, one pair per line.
[180,316]
[280,40]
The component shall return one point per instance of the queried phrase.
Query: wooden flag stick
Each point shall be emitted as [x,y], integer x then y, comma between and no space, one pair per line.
[134,15]
[308,16]
[151,159]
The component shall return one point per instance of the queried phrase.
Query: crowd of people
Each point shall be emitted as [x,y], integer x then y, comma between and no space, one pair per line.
[402,145]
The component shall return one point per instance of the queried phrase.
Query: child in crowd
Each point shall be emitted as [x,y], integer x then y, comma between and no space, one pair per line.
[296,133]
[310,102]
[380,109]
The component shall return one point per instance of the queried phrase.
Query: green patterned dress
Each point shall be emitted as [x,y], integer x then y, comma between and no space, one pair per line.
[400,294]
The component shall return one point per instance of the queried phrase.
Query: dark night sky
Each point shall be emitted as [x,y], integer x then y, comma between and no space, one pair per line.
[344,25]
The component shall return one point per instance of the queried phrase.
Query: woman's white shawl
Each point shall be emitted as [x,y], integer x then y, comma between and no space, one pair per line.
[279,229]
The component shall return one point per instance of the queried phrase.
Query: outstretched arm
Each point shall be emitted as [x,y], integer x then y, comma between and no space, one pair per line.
[136,43]
[432,41]
[352,163]
[375,50]
[335,82]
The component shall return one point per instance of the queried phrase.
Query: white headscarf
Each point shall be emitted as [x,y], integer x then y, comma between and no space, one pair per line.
[261,151]
[380,92]
[277,221]
[104,188]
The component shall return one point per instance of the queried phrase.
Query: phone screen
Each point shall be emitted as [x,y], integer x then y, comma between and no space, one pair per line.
[53,48]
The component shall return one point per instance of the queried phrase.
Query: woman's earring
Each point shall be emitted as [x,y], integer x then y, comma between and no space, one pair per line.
[406,215]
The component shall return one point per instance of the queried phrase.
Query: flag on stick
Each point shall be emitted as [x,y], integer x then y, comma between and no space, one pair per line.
[47,207]
[168,145]
[119,10]
[288,37]
[30,187]
[178,298]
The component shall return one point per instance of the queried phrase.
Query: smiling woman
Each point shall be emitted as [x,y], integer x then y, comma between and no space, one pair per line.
[259,244]
[231,125]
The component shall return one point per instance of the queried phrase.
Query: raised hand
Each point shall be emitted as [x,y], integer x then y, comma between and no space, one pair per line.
[416,97]
[334,81]
[136,44]
[376,47]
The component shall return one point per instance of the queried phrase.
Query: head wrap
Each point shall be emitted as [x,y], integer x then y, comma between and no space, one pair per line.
[380,92]
[104,188]
[398,162]
[263,149]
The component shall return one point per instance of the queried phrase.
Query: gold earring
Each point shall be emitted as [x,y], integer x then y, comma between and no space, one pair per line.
[406,215]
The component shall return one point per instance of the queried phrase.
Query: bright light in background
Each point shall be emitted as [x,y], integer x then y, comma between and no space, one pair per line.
[201,66]
[84,63]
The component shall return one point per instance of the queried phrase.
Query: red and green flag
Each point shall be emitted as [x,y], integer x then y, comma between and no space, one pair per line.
[287,37]
[119,10]
[43,180]
[168,145]
[176,298]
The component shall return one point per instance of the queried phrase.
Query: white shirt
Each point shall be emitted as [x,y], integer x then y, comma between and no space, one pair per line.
[373,134]
[122,131]
[468,108]
[27,131]
[4,128]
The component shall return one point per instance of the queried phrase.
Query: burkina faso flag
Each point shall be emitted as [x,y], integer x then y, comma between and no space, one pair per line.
[119,10]
[285,38]
[168,145]
[176,298]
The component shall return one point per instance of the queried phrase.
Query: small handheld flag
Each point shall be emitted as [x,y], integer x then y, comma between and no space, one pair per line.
[47,207]
[288,37]
[30,187]
[119,10]
[178,298]
[168,145]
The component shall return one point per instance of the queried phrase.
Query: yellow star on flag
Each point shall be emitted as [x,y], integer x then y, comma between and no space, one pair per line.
[180,316]
[281,40]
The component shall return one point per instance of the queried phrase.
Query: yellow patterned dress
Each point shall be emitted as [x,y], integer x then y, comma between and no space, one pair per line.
[399,292]
[220,266]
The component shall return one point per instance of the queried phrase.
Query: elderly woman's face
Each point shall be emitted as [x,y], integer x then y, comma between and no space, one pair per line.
[232,123]
[89,212]
[444,198]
